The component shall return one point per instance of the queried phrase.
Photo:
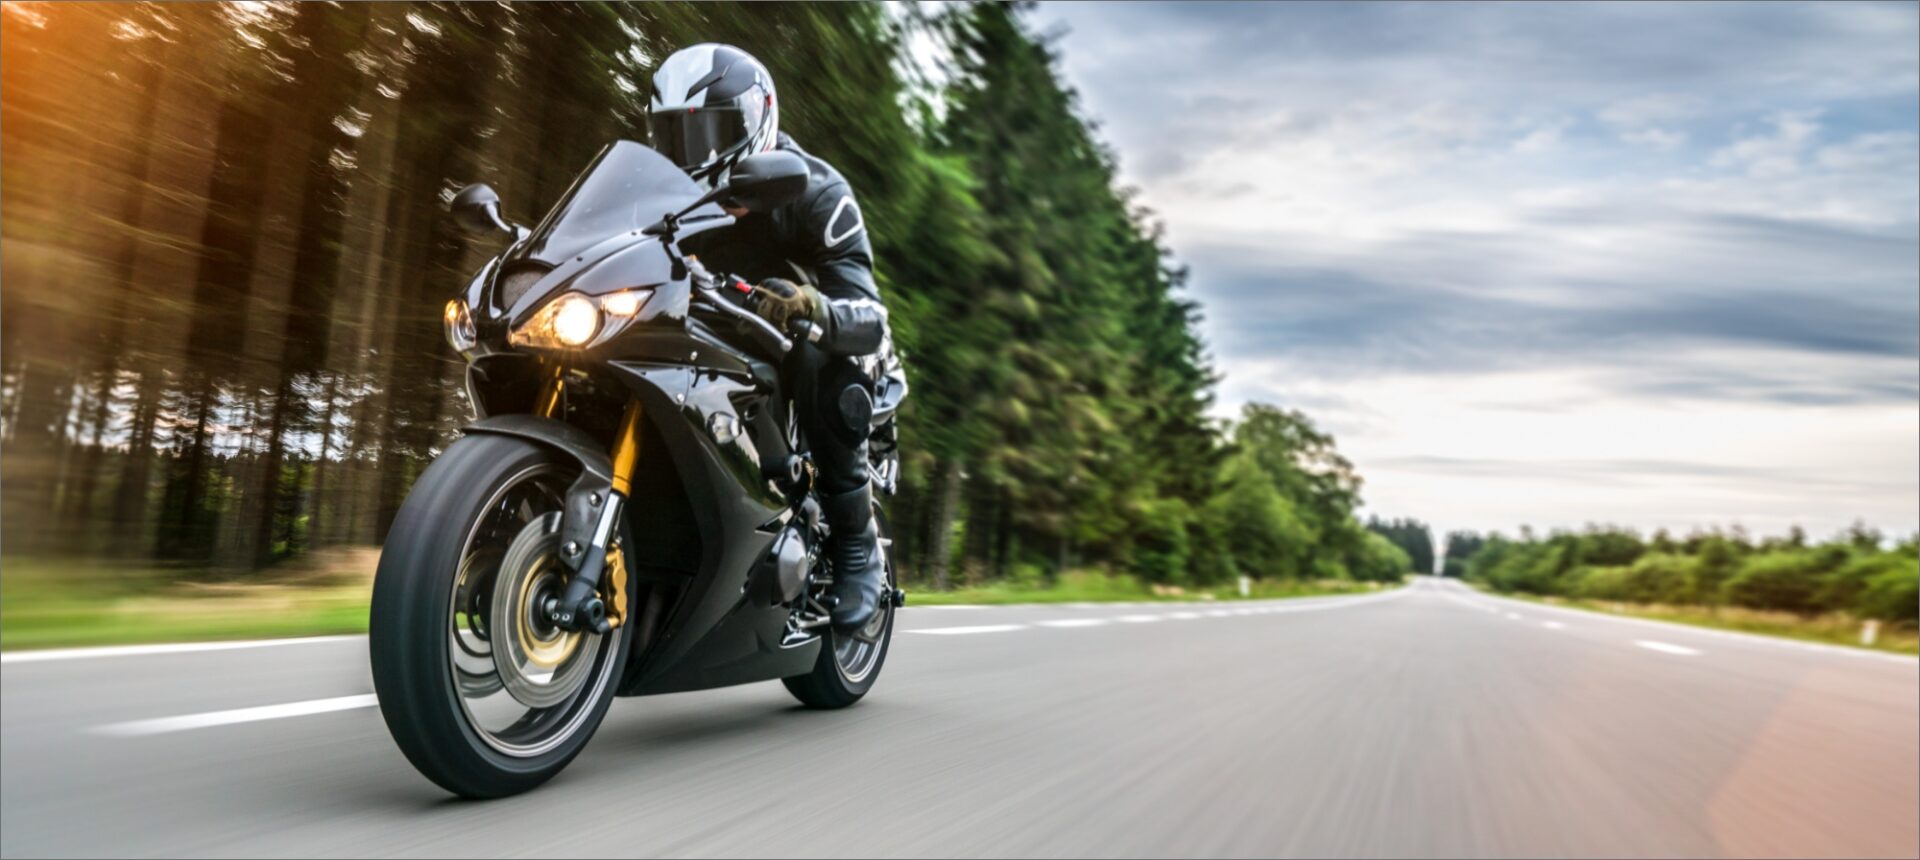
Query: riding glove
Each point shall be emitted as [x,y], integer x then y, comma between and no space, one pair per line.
[783,302]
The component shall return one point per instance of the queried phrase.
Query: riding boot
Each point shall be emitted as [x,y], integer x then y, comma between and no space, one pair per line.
[853,545]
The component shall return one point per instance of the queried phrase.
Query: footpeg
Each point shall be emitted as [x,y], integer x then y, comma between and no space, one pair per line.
[899,597]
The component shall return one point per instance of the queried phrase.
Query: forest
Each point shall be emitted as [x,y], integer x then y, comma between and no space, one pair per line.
[226,249]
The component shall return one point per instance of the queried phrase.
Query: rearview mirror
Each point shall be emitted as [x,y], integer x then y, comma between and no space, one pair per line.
[477,210]
[764,181]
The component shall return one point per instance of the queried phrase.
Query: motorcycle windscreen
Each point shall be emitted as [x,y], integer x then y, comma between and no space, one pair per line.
[627,187]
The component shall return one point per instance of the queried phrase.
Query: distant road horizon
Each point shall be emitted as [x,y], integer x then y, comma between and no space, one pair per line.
[1425,721]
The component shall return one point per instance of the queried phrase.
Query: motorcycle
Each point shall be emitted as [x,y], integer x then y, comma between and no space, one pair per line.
[633,511]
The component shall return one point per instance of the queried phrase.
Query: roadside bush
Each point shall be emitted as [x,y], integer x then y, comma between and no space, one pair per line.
[1162,552]
[1893,594]
[1379,560]
[1597,583]
[1660,578]
[1787,580]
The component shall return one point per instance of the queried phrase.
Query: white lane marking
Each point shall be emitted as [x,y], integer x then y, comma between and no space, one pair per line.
[164,725]
[1138,619]
[952,606]
[1665,648]
[963,631]
[11,657]
[1183,616]
[1553,625]
[1485,601]
[1219,613]
[1513,616]
[1074,622]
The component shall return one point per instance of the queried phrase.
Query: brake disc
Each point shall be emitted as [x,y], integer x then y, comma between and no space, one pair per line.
[540,664]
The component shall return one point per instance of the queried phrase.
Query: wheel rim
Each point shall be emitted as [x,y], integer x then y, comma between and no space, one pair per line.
[499,653]
[858,654]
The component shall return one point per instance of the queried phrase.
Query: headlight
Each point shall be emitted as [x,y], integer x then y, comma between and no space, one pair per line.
[460,333]
[574,320]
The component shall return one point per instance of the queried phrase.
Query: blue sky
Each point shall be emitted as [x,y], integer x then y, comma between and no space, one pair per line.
[1647,264]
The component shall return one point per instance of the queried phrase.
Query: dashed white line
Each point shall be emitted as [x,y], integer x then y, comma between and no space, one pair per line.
[1074,622]
[1183,616]
[1138,619]
[1665,648]
[963,631]
[164,725]
[1553,625]
[1513,616]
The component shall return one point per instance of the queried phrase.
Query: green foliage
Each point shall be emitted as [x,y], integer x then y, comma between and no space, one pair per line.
[1410,535]
[1893,593]
[1379,560]
[1848,574]
[1789,581]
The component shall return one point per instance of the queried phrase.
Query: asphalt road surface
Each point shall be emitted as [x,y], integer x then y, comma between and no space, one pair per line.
[1427,721]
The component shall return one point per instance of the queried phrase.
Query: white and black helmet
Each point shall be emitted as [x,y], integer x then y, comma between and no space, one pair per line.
[711,106]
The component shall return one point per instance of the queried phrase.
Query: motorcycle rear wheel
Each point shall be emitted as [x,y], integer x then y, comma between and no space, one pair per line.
[488,500]
[850,664]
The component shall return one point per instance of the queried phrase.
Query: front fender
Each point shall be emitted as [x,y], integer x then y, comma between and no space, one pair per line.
[589,491]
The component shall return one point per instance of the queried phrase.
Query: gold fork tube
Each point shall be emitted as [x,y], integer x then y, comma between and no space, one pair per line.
[547,405]
[626,448]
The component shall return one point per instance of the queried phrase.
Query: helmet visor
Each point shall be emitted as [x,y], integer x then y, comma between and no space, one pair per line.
[694,136]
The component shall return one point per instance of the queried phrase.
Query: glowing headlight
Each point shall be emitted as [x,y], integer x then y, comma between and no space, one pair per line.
[575,320]
[625,303]
[568,321]
[460,333]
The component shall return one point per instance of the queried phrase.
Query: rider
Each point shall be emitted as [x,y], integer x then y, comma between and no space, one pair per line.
[711,106]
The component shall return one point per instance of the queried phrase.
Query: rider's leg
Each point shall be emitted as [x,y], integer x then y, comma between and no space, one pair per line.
[837,431]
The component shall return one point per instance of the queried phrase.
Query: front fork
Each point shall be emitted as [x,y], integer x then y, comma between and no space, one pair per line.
[580,606]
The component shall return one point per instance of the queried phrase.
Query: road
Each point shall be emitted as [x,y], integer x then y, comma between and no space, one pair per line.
[1426,721]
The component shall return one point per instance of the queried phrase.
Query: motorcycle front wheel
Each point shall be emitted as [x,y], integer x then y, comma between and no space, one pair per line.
[483,696]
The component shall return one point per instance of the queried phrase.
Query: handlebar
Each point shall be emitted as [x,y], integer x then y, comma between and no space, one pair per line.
[708,288]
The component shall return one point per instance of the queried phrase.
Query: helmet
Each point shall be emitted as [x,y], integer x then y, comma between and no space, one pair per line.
[711,106]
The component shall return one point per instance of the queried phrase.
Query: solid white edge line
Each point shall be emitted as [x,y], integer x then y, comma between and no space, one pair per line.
[962,631]
[139,728]
[11,657]
[1666,648]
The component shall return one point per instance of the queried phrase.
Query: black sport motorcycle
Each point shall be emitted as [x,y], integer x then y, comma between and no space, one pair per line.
[633,511]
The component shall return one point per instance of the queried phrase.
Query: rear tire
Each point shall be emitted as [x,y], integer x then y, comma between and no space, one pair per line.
[831,685]
[413,628]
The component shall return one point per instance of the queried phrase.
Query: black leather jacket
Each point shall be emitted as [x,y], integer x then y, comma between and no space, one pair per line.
[820,239]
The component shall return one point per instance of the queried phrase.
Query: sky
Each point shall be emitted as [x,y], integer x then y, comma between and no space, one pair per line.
[1639,264]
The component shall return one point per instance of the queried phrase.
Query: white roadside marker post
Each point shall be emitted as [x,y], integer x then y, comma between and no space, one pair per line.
[1246,587]
[1869,631]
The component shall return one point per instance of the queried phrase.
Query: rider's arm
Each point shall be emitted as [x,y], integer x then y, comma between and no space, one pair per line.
[835,238]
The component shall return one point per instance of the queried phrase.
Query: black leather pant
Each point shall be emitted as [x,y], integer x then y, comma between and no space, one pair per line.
[837,434]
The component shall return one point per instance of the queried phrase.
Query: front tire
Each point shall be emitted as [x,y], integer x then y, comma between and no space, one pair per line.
[487,503]
[850,664]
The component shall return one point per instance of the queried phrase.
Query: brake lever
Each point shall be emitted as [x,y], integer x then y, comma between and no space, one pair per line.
[753,320]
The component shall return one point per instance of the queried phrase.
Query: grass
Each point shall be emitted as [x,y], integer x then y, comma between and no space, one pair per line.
[57,603]
[46,603]
[1831,629]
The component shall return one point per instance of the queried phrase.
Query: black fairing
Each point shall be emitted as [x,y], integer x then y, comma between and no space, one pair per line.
[708,498]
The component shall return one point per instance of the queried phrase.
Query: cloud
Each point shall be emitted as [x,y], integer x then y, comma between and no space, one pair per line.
[1775,152]
[1698,217]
